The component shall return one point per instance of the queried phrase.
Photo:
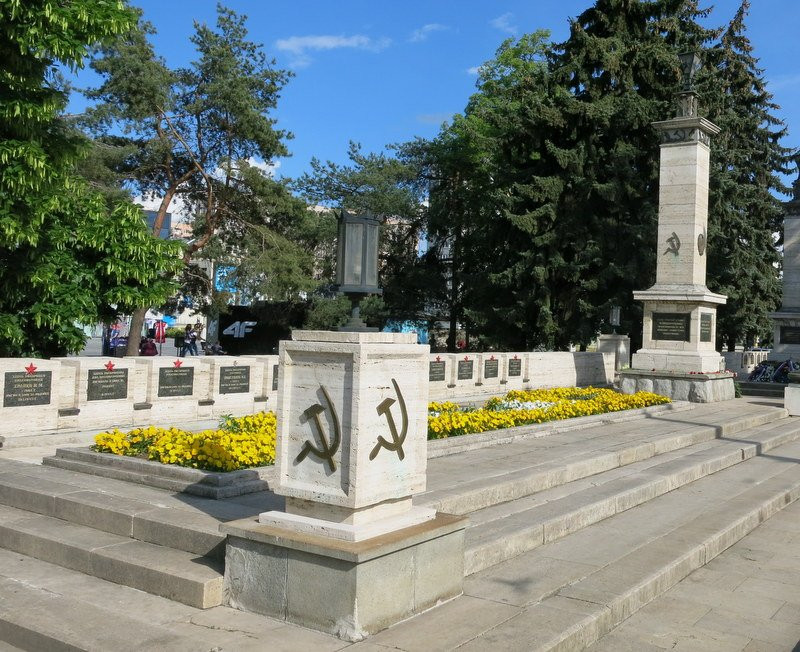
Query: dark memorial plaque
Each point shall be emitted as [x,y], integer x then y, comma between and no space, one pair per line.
[274,378]
[175,381]
[234,380]
[22,388]
[105,385]
[790,335]
[490,368]
[436,371]
[672,326]
[515,367]
[706,320]
[465,369]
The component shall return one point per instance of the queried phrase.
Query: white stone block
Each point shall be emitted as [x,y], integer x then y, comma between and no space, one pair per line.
[29,387]
[175,389]
[352,418]
[103,390]
[232,383]
[791,399]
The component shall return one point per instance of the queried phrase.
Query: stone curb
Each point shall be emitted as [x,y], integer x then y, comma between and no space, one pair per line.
[463,443]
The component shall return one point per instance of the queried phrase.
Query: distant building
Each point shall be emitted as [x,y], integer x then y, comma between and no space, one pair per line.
[166,227]
[181,231]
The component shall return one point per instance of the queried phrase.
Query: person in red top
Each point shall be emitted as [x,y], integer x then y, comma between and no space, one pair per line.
[148,347]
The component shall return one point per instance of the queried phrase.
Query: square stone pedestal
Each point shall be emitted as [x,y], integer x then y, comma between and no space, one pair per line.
[696,387]
[347,589]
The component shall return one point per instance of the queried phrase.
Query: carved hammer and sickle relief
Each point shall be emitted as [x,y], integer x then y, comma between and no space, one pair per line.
[673,244]
[397,440]
[326,451]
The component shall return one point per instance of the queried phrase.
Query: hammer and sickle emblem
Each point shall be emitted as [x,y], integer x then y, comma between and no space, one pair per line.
[397,440]
[326,451]
[674,243]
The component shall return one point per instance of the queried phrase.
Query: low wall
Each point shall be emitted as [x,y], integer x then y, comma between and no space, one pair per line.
[743,362]
[86,393]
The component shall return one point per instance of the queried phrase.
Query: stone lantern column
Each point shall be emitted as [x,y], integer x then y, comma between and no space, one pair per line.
[678,356]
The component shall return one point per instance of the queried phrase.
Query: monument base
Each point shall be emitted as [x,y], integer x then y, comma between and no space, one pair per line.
[348,589]
[706,362]
[786,335]
[694,387]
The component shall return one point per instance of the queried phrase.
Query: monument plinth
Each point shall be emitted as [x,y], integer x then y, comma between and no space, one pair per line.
[680,320]
[350,554]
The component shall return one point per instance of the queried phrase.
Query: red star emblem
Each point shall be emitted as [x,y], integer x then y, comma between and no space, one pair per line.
[438,359]
[491,357]
[515,357]
[109,365]
[177,363]
[31,368]
[466,358]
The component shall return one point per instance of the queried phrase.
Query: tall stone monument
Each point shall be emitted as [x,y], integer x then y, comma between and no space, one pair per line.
[678,356]
[350,554]
[787,319]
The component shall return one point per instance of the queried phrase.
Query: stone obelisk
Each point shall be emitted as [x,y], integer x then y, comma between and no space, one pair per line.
[787,319]
[678,356]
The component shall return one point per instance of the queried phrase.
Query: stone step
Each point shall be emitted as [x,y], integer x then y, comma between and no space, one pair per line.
[762,389]
[519,469]
[574,590]
[189,530]
[181,576]
[503,531]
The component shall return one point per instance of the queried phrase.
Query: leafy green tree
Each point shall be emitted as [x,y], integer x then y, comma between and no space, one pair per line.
[197,133]
[68,255]
[744,212]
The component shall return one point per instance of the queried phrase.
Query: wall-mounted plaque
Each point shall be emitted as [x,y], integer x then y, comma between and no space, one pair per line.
[515,367]
[465,369]
[22,388]
[706,321]
[436,371]
[490,368]
[790,335]
[234,380]
[107,385]
[175,381]
[274,378]
[672,326]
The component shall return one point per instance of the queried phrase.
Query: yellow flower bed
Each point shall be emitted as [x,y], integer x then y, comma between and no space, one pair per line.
[238,443]
[448,420]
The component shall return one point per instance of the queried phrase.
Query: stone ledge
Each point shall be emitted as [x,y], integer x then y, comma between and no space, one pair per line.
[209,484]
[680,386]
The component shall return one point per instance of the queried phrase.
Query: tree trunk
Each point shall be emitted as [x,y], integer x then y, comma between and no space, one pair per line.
[135,331]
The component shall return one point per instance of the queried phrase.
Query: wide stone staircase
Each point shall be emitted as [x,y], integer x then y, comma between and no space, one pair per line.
[576,528]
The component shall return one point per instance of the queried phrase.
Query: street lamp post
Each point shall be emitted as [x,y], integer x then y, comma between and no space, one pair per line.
[357,263]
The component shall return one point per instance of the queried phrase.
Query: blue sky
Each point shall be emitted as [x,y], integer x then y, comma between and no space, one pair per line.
[380,72]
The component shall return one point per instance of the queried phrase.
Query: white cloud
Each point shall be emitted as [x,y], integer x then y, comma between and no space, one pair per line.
[426,30]
[268,168]
[503,23]
[474,70]
[300,46]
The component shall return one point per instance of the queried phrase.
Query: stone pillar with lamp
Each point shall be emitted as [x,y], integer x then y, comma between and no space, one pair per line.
[350,554]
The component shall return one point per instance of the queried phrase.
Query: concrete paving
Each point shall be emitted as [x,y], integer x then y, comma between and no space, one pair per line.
[564,594]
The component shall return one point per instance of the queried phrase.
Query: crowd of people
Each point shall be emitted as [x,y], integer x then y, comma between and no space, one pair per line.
[192,335]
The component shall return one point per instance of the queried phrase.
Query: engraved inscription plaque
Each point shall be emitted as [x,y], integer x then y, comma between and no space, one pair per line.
[107,385]
[672,326]
[274,378]
[706,321]
[23,389]
[790,334]
[436,371]
[175,381]
[490,368]
[465,369]
[515,367]
[234,380]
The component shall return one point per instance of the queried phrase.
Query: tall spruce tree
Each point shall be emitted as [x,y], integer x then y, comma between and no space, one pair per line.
[746,160]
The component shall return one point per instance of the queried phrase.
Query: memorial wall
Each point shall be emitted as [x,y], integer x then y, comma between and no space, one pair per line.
[85,393]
